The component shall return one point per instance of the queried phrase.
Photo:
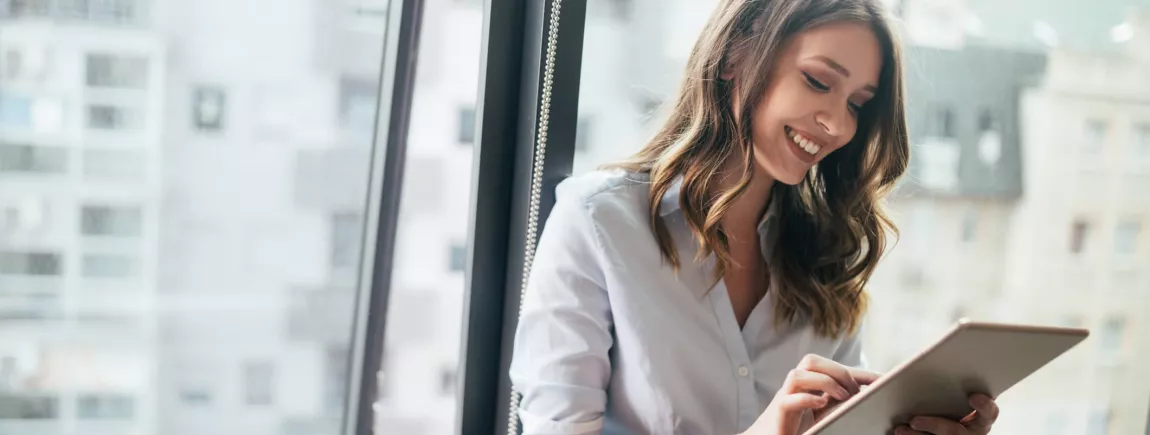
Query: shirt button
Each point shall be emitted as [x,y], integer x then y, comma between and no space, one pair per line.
[744,371]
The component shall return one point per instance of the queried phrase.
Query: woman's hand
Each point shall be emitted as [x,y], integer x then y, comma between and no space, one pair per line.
[810,386]
[977,423]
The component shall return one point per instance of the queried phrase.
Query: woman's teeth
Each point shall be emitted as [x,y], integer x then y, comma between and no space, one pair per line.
[806,144]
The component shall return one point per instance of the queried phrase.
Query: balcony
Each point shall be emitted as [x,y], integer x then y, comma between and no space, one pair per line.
[97,11]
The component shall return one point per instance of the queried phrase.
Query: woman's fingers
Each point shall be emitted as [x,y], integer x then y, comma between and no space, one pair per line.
[985,411]
[863,377]
[795,402]
[937,426]
[803,381]
[904,430]
[840,373]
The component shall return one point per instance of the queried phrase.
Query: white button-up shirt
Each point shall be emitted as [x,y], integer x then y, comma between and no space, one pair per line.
[612,341]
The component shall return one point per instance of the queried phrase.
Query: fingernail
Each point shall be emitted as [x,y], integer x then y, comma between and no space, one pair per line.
[916,424]
[843,394]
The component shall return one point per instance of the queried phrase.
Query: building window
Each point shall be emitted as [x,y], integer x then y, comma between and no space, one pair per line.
[1112,338]
[458,257]
[111,221]
[29,158]
[466,125]
[104,117]
[12,64]
[105,407]
[970,225]
[1142,138]
[196,397]
[30,263]
[259,378]
[1126,236]
[447,381]
[345,243]
[110,71]
[357,100]
[943,122]
[1099,423]
[1078,233]
[208,104]
[1095,135]
[109,266]
[111,164]
[15,111]
[28,407]
[583,133]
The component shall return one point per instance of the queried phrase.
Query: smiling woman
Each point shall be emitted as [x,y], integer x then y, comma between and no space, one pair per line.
[756,204]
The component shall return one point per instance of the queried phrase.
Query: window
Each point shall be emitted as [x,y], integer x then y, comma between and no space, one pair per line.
[1078,234]
[1126,236]
[105,407]
[11,64]
[989,138]
[113,164]
[970,224]
[1099,423]
[33,159]
[111,221]
[196,397]
[15,111]
[109,266]
[457,258]
[466,125]
[345,239]
[357,104]
[1095,135]
[28,407]
[110,71]
[175,239]
[1142,139]
[103,117]
[1111,341]
[208,109]
[30,263]
[259,378]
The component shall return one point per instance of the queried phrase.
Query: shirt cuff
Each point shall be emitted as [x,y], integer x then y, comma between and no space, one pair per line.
[535,425]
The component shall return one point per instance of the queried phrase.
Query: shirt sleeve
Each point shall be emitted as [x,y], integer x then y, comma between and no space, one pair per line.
[561,364]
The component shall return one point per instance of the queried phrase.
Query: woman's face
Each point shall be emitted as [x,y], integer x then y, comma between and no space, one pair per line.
[821,79]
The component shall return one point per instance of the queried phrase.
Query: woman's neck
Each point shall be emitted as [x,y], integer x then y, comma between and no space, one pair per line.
[741,222]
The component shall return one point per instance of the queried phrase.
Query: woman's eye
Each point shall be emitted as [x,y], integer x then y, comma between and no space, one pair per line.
[816,84]
[856,108]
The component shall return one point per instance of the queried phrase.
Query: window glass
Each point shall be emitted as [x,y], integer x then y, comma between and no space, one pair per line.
[425,312]
[182,205]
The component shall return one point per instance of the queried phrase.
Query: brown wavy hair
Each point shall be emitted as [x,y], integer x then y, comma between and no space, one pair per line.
[832,226]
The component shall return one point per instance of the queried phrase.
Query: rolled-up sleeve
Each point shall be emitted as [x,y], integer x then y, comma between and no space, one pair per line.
[561,364]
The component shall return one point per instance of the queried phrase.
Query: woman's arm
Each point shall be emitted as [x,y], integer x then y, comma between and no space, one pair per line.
[560,364]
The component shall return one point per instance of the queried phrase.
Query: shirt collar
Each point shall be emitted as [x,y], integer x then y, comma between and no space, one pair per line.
[768,226]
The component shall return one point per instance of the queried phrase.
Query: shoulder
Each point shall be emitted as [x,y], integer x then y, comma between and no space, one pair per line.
[605,190]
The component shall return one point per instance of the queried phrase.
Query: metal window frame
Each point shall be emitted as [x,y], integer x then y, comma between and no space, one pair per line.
[388,158]
[515,34]
[513,59]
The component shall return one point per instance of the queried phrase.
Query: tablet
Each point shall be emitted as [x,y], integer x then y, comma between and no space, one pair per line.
[974,357]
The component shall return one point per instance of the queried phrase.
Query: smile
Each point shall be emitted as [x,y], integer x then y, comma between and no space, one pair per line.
[811,146]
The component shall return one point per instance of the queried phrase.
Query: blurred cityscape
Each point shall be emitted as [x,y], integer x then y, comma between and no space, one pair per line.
[182,194]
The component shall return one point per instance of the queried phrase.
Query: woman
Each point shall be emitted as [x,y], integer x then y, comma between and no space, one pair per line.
[714,284]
